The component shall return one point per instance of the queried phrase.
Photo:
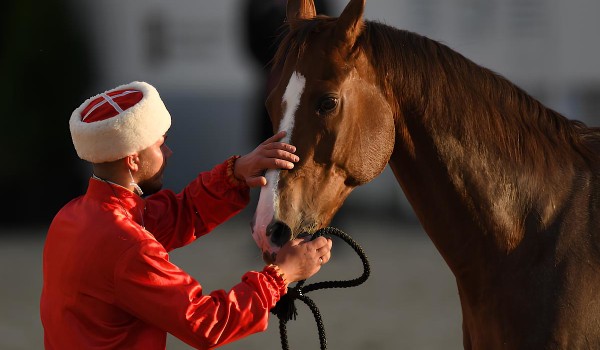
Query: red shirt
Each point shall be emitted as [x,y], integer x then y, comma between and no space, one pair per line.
[108,282]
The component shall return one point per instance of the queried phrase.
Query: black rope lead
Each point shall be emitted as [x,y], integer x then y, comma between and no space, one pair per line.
[285,309]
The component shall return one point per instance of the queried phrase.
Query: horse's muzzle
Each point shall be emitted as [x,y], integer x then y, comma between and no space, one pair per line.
[279,233]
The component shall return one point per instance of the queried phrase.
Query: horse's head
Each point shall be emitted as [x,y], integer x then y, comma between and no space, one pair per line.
[335,114]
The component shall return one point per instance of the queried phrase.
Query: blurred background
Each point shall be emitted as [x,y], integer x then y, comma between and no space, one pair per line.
[208,59]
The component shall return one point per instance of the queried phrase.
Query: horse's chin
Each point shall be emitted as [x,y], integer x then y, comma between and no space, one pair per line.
[269,257]
[269,250]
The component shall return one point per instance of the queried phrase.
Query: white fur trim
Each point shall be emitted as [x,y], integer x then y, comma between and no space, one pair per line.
[133,130]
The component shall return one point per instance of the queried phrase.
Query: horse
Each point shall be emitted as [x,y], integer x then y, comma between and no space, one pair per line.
[506,188]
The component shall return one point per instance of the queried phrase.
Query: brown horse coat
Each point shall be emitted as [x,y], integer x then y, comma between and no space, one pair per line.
[506,188]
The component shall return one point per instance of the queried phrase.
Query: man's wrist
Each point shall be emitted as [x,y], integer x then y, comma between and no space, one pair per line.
[278,277]
[279,272]
[233,177]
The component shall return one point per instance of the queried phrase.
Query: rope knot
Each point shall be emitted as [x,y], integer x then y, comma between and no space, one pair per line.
[285,309]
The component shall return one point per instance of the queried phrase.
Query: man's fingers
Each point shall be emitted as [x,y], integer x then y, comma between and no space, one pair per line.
[321,242]
[281,164]
[279,154]
[257,181]
[275,137]
[325,258]
[273,163]
[281,146]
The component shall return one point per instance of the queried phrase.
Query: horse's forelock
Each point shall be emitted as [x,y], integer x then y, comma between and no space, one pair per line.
[293,39]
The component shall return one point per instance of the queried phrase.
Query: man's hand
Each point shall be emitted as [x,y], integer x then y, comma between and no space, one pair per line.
[301,258]
[270,154]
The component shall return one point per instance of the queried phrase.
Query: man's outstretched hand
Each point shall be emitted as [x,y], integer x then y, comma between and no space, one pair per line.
[270,154]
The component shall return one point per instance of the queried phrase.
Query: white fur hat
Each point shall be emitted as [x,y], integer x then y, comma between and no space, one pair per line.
[119,122]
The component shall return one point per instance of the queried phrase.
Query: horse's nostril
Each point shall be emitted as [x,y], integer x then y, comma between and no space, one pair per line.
[279,233]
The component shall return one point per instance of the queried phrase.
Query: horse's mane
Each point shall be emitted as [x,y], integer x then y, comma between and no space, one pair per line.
[467,92]
[472,97]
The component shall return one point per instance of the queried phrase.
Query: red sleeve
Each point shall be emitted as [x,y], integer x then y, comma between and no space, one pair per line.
[156,291]
[212,198]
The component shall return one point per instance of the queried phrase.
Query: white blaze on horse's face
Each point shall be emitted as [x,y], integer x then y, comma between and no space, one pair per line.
[268,202]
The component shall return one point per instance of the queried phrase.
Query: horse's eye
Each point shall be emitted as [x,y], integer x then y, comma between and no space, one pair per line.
[327,105]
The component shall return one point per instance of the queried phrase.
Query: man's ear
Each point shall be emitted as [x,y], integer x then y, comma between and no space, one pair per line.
[132,162]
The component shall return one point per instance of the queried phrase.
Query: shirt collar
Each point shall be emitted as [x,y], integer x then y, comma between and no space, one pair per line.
[116,195]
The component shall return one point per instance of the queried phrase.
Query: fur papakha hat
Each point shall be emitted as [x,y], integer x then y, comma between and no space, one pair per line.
[119,122]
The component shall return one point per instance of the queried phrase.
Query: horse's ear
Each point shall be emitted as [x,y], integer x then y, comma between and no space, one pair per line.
[300,9]
[350,23]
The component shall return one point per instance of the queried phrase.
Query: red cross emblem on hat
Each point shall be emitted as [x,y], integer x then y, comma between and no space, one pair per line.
[119,122]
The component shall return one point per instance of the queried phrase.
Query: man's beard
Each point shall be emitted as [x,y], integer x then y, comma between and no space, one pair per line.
[153,184]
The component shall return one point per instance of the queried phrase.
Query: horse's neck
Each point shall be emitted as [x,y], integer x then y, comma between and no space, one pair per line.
[470,199]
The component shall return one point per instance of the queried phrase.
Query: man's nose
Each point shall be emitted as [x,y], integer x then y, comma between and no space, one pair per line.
[167,151]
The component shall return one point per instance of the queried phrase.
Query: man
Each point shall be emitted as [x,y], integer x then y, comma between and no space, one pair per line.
[108,282]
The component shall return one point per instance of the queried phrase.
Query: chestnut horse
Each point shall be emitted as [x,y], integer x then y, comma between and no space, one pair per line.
[506,188]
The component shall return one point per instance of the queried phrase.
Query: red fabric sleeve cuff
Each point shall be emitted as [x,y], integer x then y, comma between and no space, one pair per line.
[230,175]
[279,278]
